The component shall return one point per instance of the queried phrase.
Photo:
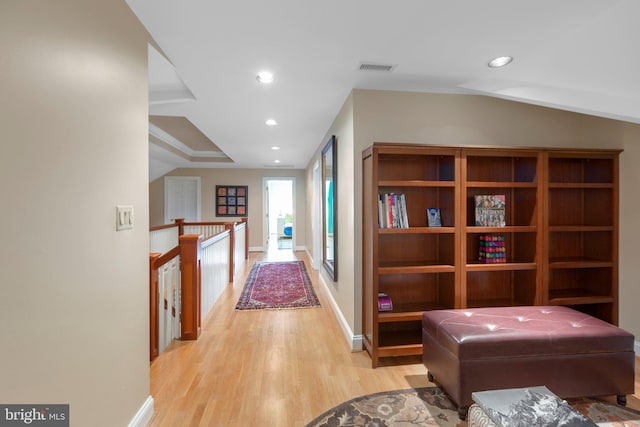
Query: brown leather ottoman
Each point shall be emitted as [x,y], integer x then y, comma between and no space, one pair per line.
[569,352]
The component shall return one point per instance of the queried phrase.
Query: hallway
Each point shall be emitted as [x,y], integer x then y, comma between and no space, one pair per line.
[267,368]
[279,368]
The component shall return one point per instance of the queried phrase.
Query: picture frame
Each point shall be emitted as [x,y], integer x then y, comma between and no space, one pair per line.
[232,200]
[329,208]
[433,217]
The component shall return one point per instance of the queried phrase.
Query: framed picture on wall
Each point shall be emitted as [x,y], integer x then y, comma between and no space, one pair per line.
[231,200]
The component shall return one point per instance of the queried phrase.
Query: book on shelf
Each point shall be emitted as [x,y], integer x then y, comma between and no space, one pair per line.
[433,217]
[490,210]
[392,211]
[492,249]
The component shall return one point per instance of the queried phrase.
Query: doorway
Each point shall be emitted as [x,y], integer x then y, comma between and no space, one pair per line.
[181,198]
[279,227]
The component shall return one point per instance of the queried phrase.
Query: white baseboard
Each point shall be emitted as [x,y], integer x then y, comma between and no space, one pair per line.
[355,341]
[256,249]
[144,414]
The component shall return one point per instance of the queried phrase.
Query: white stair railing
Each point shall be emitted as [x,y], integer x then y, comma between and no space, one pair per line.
[215,270]
[168,303]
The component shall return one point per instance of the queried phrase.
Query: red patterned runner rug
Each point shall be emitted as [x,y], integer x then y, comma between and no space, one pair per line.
[277,285]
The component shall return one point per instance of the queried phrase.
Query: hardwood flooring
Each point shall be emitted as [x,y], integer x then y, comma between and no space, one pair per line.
[270,367]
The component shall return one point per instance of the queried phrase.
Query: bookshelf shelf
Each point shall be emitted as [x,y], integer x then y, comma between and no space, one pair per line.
[580,228]
[576,262]
[400,350]
[508,266]
[558,245]
[418,230]
[509,184]
[581,185]
[383,184]
[500,230]
[416,269]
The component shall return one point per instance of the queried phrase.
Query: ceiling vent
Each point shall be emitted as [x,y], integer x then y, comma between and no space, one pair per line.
[280,166]
[369,66]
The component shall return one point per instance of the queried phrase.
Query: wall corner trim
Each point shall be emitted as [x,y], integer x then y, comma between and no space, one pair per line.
[354,341]
[144,414]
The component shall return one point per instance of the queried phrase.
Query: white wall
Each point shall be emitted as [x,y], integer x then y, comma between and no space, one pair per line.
[74,294]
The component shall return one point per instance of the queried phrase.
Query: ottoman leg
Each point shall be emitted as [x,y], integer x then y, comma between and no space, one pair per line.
[430,377]
[622,399]
[462,412]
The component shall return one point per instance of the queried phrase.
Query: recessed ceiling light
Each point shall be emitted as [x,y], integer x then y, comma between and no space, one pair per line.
[271,122]
[500,61]
[265,77]
[276,161]
[275,148]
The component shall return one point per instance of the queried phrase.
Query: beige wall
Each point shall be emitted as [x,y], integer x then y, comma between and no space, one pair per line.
[440,119]
[74,294]
[344,293]
[250,177]
[630,231]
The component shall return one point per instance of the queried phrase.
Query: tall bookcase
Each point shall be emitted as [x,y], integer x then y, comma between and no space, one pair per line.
[415,266]
[515,175]
[581,223]
[560,235]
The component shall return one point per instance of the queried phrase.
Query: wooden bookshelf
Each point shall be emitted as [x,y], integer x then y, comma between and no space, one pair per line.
[416,266]
[560,235]
[581,224]
[516,175]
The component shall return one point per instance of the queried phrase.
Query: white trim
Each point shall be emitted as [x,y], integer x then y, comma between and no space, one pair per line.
[316,217]
[144,414]
[265,207]
[636,347]
[168,139]
[256,248]
[355,341]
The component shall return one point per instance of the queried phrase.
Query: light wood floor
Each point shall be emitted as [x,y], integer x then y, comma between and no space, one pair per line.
[270,367]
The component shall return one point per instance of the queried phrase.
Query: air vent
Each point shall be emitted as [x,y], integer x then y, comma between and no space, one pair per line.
[280,166]
[368,66]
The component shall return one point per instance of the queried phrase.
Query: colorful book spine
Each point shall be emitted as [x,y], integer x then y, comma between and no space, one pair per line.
[392,211]
[492,249]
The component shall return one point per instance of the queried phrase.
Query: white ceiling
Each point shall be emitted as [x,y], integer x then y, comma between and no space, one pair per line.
[577,55]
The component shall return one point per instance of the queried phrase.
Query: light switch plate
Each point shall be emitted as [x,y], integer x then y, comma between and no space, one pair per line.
[124,217]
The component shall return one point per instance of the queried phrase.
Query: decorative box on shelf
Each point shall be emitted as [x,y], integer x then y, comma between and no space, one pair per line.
[384,302]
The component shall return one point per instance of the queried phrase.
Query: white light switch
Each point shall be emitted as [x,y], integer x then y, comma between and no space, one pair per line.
[124,217]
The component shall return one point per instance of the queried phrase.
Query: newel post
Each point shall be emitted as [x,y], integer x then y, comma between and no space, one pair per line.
[231,226]
[190,255]
[246,236]
[153,307]
[180,223]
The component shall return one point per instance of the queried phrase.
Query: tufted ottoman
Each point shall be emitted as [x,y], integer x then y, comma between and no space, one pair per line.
[569,352]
